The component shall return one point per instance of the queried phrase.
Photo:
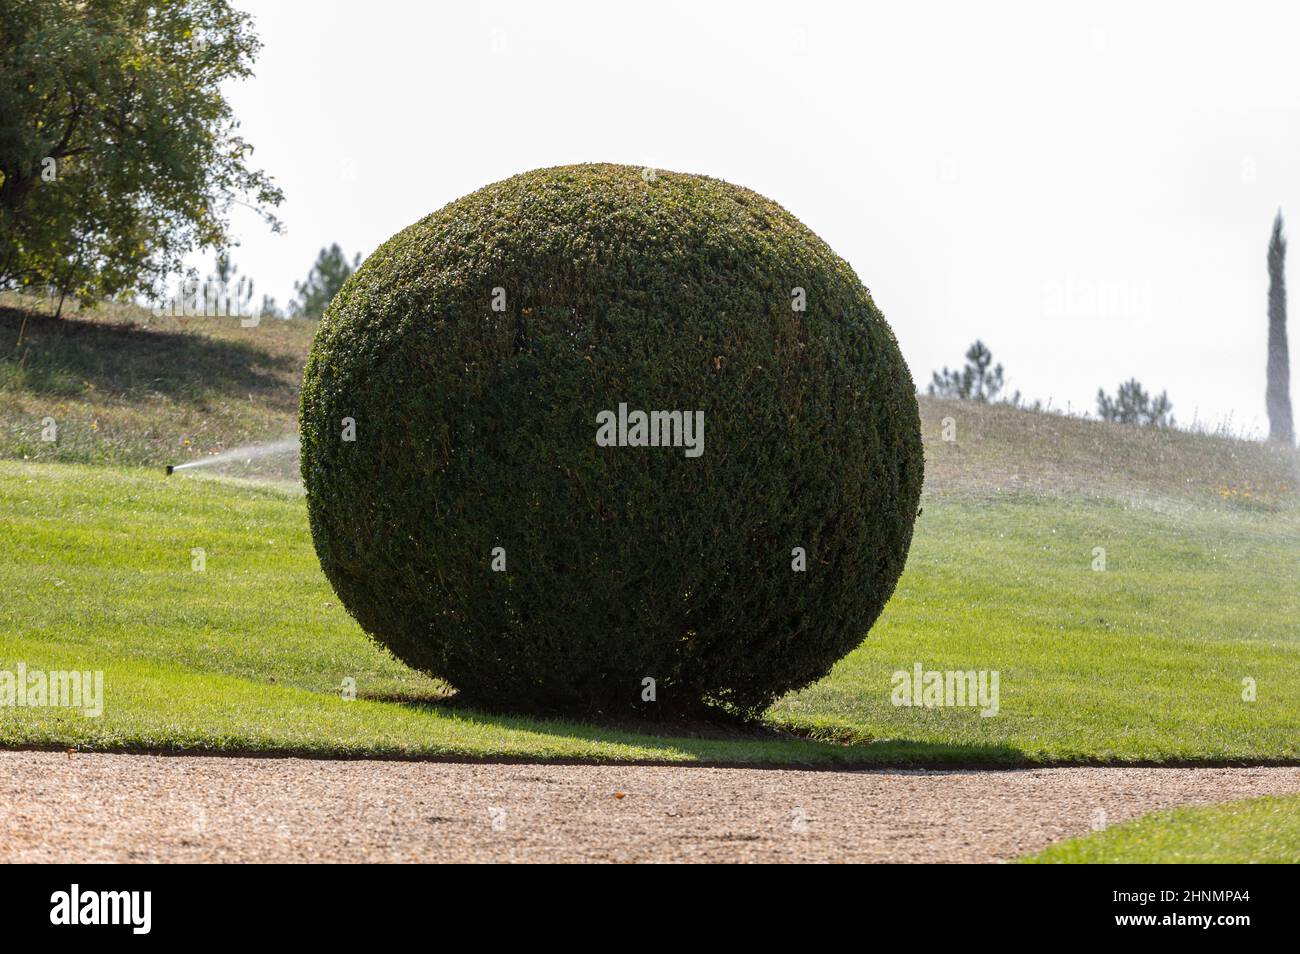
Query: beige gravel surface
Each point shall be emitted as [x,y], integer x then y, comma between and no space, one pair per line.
[56,807]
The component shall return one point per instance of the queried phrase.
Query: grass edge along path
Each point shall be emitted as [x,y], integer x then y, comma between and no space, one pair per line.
[1256,830]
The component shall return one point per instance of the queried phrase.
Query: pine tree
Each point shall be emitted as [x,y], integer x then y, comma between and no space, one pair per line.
[323,282]
[225,294]
[974,382]
[1133,405]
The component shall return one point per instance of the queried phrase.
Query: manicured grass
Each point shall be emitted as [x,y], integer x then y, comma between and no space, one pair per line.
[1143,661]
[1259,831]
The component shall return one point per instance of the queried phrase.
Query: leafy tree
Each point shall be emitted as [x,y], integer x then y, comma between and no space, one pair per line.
[974,382]
[1133,405]
[118,151]
[1277,394]
[323,282]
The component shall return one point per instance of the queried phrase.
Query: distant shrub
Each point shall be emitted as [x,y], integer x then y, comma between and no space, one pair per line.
[1133,405]
[477,528]
[979,380]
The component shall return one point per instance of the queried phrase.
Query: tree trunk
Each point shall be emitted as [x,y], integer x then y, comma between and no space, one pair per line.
[1278,392]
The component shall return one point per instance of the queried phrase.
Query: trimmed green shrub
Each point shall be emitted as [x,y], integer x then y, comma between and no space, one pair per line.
[475,526]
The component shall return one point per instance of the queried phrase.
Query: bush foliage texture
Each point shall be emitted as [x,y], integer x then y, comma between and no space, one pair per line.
[475,429]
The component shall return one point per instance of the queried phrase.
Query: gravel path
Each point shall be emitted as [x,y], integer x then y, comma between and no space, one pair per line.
[96,807]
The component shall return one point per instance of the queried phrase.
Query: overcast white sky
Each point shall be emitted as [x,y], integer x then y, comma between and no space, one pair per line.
[1088,190]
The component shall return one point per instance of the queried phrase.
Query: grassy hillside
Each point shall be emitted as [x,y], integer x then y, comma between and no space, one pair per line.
[126,387]
[1143,661]
[1001,449]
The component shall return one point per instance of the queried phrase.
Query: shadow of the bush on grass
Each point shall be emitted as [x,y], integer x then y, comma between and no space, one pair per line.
[724,741]
[61,357]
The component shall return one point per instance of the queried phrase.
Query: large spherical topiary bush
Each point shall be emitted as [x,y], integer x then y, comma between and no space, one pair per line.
[490,506]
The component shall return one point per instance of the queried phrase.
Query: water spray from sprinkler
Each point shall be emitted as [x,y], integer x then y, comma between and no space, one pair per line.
[246,455]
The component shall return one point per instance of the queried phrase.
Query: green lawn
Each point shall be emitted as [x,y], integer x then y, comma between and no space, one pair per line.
[1144,661]
[1258,831]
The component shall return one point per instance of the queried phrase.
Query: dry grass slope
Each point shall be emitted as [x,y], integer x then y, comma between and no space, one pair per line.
[126,387]
[129,388]
[1006,449]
